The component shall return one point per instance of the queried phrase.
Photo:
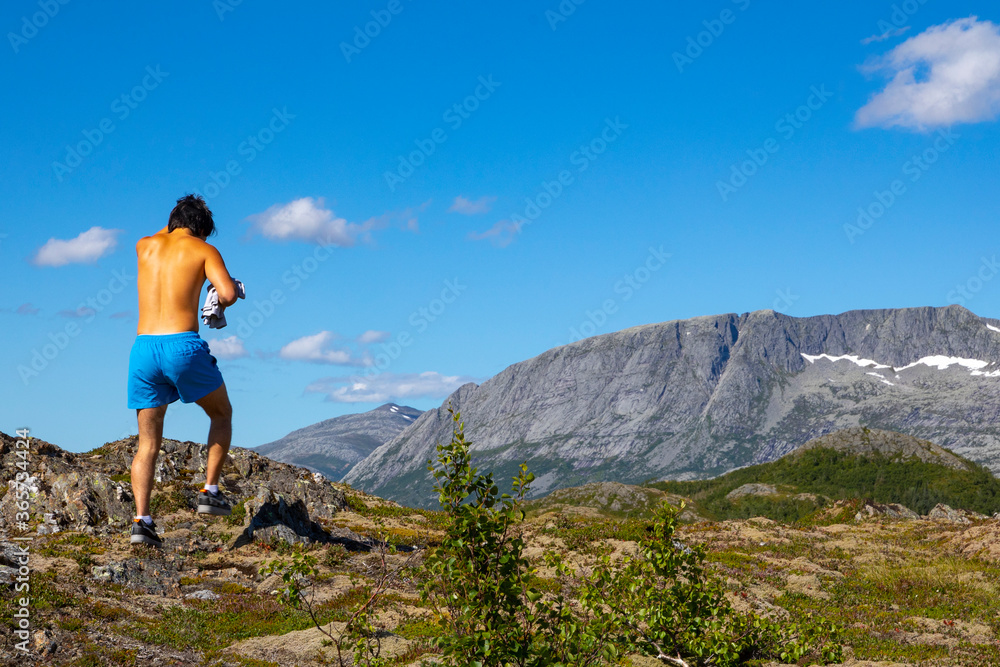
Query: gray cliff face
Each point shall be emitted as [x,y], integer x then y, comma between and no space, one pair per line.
[334,445]
[695,398]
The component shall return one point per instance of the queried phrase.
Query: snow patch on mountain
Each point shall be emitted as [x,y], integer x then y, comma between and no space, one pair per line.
[938,361]
[864,363]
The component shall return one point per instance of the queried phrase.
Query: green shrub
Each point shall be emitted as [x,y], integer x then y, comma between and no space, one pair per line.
[494,611]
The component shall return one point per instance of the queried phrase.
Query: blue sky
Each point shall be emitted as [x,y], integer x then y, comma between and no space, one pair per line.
[471,184]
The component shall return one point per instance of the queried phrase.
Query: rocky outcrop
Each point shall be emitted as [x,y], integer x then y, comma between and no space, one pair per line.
[752,489]
[91,492]
[695,398]
[272,517]
[335,445]
[871,510]
[946,513]
[895,446]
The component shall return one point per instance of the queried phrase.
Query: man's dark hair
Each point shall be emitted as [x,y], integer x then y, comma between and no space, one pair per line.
[192,212]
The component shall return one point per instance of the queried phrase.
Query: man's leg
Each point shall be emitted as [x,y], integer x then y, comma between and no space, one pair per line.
[218,408]
[144,462]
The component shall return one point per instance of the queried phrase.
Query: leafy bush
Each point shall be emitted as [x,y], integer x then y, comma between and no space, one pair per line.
[494,611]
[674,611]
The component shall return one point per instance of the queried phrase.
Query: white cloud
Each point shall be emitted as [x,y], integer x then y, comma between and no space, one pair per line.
[306,220]
[948,74]
[88,247]
[501,234]
[885,35]
[469,207]
[316,349]
[369,337]
[388,386]
[228,348]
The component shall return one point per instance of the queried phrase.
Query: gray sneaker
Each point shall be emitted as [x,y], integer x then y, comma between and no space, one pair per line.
[143,533]
[213,503]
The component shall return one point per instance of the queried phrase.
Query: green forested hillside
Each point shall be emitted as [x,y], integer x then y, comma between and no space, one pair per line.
[838,475]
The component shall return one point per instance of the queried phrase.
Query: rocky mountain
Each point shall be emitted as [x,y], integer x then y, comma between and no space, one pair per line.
[334,445]
[692,399]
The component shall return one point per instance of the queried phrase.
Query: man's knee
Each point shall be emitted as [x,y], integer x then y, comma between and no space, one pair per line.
[151,415]
[222,413]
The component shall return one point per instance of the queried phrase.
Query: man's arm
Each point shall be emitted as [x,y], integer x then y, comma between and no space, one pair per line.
[218,275]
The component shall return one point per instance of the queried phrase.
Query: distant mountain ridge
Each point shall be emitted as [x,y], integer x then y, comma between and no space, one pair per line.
[694,398]
[334,445]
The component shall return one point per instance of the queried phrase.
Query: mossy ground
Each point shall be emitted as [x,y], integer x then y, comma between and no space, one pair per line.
[915,592]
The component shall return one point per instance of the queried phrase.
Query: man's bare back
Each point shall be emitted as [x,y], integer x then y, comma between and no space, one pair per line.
[170,361]
[173,267]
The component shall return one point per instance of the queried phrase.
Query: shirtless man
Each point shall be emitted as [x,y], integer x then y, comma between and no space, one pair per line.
[169,360]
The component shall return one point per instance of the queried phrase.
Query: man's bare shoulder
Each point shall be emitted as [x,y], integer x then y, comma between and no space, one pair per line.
[206,247]
[145,242]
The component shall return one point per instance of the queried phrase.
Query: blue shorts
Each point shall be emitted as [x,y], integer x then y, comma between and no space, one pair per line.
[163,368]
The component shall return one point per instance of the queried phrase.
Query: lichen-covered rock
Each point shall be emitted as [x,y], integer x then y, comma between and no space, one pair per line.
[149,575]
[946,513]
